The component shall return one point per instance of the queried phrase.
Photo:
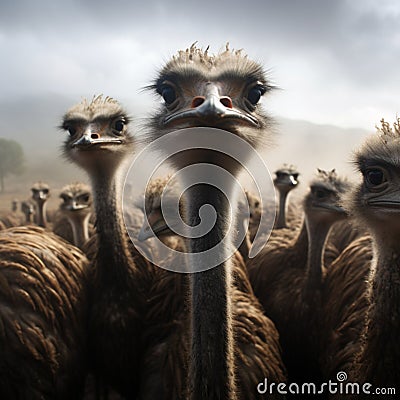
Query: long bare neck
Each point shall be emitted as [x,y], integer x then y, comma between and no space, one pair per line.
[281,220]
[80,229]
[114,258]
[379,361]
[301,244]
[212,360]
[317,237]
[41,215]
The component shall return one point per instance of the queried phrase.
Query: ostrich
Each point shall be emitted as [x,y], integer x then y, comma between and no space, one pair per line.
[43,314]
[243,222]
[40,194]
[248,225]
[156,225]
[219,91]
[254,203]
[375,204]
[74,214]
[99,141]
[286,180]
[14,205]
[287,276]
[28,209]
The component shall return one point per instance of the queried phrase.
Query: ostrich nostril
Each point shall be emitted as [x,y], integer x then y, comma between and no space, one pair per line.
[198,101]
[226,101]
[95,136]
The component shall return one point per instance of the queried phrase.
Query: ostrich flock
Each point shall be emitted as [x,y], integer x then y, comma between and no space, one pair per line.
[86,313]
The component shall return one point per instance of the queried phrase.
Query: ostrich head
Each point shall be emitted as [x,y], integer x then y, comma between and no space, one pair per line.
[375,203]
[76,199]
[286,178]
[220,91]
[254,205]
[98,135]
[156,224]
[322,203]
[40,192]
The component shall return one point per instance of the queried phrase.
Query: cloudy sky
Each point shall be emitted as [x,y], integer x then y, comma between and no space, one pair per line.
[337,62]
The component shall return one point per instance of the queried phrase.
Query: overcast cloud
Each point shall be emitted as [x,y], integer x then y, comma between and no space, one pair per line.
[336,61]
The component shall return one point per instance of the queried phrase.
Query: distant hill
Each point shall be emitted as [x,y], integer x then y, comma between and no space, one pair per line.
[310,146]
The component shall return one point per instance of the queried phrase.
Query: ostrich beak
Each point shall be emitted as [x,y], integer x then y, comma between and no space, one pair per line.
[332,208]
[145,232]
[211,108]
[388,201]
[75,207]
[90,138]
[212,105]
[293,181]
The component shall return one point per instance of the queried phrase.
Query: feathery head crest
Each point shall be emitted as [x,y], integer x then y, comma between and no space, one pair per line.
[329,176]
[96,101]
[384,147]
[195,54]
[387,132]
[40,186]
[331,179]
[75,188]
[288,168]
[99,105]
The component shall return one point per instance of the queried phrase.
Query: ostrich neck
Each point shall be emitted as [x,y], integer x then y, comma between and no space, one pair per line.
[42,219]
[301,244]
[380,357]
[212,364]
[114,258]
[281,221]
[317,236]
[80,229]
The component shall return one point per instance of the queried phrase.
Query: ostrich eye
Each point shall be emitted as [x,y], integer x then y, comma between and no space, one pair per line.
[255,94]
[45,191]
[119,126]
[295,176]
[279,175]
[85,198]
[71,130]
[168,94]
[375,177]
